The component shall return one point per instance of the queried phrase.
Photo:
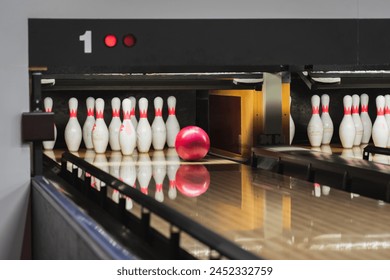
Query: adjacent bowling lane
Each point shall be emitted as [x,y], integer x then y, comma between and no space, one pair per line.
[273,216]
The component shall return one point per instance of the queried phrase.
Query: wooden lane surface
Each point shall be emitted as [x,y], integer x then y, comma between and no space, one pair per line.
[279,217]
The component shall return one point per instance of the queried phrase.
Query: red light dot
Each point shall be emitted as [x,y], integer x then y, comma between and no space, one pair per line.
[110,40]
[129,40]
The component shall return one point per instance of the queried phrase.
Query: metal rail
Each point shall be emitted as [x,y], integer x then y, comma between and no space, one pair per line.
[351,175]
[370,149]
[219,246]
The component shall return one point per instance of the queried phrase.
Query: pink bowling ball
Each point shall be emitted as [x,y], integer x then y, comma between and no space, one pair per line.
[192,143]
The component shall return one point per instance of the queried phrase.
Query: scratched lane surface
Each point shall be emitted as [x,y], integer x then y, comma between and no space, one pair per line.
[273,216]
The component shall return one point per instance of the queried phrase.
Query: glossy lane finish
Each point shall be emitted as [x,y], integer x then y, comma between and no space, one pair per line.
[279,217]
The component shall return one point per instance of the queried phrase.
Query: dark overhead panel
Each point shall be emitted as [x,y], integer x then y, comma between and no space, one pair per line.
[192,45]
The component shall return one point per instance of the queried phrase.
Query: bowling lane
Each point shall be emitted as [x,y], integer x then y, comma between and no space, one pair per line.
[273,216]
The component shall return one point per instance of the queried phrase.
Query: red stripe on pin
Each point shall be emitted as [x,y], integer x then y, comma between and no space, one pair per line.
[365,108]
[48,110]
[144,190]
[347,110]
[387,110]
[316,110]
[355,109]
[90,113]
[158,112]
[143,114]
[171,111]
[73,113]
[380,112]
[172,183]
[126,115]
[325,109]
[99,114]
[132,112]
[159,187]
[115,113]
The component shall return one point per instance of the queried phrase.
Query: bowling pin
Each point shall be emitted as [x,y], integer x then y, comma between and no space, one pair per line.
[347,129]
[326,120]
[115,124]
[387,115]
[315,128]
[159,131]
[172,124]
[73,132]
[89,122]
[48,104]
[100,130]
[317,190]
[127,134]
[159,171]
[292,126]
[365,118]
[173,164]
[144,173]
[132,112]
[144,131]
[380,130]
[357,120]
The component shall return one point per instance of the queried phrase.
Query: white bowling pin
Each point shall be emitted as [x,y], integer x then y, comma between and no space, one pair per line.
[357,120]
[144,131]
[173,164]
[159,131]
[380,130]
[347,129]
[144,173]
[100,130]
[172,124]
[315,128]
[365,118]
[158,172]
[73,132]
[292,126]
[89,122]
[48,104]
[127,134]
[115,124]
[132,112]
[387,115]
[327,122]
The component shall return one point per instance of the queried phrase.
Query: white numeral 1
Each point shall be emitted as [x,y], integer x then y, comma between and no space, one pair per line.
[87,39]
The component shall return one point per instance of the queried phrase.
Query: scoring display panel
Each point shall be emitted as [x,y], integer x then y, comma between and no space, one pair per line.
[186,45]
